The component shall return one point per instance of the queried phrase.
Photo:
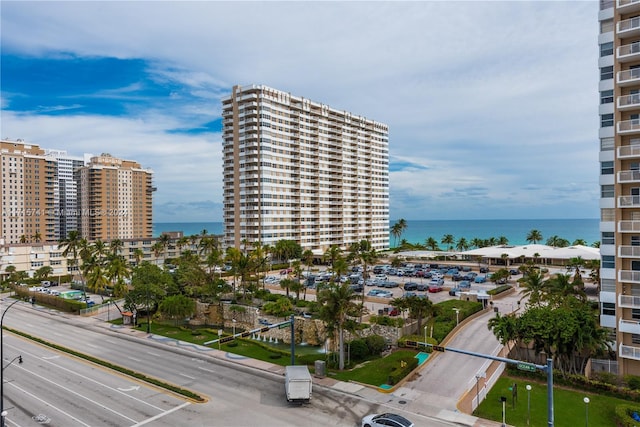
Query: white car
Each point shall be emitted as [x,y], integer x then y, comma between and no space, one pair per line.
[386,420]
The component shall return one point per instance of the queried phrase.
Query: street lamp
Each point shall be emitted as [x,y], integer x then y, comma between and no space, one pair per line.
[586,409]
[528,387]
[457,310]
[234,326]
[503,399]
[425,334]
[3,413]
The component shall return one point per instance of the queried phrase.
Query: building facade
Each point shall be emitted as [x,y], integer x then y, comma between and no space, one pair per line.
[619,86]
[300,170]
[115,199]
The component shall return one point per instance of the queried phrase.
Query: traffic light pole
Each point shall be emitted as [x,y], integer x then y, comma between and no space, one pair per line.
[524,366]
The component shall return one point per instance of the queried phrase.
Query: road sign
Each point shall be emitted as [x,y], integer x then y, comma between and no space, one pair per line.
[226,339]
[526,367]
[284,325]
[438,348]
[245,334]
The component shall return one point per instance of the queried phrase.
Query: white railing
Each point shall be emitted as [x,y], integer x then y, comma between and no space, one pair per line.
[628,75]
[628,251]
[627,126]
[629,151]
[629,49]
[629,326]
[629,352]
[628,226]
[628,24]
[630,276]
[628,301]
[628,100]
[628,201]
[628,176]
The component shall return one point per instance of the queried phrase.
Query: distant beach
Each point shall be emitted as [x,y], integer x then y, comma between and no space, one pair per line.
[417,231]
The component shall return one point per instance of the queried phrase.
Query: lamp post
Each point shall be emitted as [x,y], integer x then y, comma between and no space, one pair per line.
[503,399]
[2,411]
[586,409]
[148,311]
[477,391]
[425,333]
[457,310]
[528,387]
[234,326]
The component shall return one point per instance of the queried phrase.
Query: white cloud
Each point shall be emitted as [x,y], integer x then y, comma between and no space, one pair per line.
[497,100]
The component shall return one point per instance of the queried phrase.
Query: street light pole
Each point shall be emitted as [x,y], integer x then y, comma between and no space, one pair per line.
[586,409]
[2,411]
[528,387]
[425,334]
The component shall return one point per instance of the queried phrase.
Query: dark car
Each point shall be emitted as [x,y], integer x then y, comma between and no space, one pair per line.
[356,287]
[422,287]
[454,291]
[484,270]
[514,272]
[410,286]
[457,277]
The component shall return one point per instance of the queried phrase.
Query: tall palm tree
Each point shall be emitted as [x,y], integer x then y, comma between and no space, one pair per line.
[431,244]
[337,305]
[138,254]
[534,236]
[396,231]
[534,287]
[332,254]
[448,240]
[116,246]
[462,244]
[72,246]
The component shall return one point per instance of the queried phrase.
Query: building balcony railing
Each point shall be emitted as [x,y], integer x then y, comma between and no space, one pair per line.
[628,251]
[629,352]
[628,27]
[629,276]
[628,226]
[628,301]
[626,6]
[628,102]
[629,151]
[629,126]
[629,326]
[628,177]
[629,201]
[628,52]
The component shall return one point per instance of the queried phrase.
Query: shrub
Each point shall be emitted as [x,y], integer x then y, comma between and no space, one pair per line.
[376,344]
[359,349]
[499,289]
[387,321]
[406,366]
[633,382]
[624,415]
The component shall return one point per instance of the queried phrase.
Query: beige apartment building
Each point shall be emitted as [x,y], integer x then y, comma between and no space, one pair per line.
[301,170]
[29,184]
[115,199]
[619,86]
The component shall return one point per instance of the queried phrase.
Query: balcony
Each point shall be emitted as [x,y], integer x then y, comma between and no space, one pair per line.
[628,226]
[625,177]
[628,52]
[629,276]
[629,352]
[627,251]
[627,6]
[627,78]
[628,102]
[629,202]
[629,151]
[629,326]
[628,27]
[627,127]
[628,301]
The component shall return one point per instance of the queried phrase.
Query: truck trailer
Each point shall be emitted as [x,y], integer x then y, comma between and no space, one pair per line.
[298,384]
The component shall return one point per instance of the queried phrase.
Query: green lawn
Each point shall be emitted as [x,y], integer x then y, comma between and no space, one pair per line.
[375,372]
[569,407]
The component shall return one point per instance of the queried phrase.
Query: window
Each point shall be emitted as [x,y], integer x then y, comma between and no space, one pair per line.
[607,285]
[607,238]
[606,97]
[606,168]
[606,191]
[607,144]
[608,308]
[606,49]
[607,214]
[606,120]
[606,26]
[606,73]
[608,261]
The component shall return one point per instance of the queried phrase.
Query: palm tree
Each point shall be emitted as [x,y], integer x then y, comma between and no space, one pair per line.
[476,242]
[117,271]
[534,287]
[116,246]
[138,254]
[448,240]
[72,245]
[37,237]
[534,236]
[157,249]
[579,242]
[431,244]
[332,254]
[462,244]
[396,231]
[502,240]
[337,306]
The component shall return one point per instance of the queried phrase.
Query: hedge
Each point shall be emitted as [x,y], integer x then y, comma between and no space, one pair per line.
[403,370]
[623,414]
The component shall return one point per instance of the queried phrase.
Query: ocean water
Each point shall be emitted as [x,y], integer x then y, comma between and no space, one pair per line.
[417,231]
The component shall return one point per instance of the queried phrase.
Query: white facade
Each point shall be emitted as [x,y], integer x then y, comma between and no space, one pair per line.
[299,170]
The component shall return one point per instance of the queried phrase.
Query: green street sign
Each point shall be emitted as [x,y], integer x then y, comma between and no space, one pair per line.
[284,325]
[526,367]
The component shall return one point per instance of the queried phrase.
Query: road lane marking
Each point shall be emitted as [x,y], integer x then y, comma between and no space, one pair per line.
[153,354]
[208,370]
[187,376]
[156,417]
[91,345]
[134,359]
[132,388]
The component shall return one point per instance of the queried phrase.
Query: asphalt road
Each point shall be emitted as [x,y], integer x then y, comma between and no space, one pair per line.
[237,395]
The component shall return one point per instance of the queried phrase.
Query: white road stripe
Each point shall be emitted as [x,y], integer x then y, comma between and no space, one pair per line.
[134,359]
[188,376]
[147,421]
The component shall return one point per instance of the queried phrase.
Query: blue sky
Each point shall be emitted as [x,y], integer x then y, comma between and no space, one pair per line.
[492,106]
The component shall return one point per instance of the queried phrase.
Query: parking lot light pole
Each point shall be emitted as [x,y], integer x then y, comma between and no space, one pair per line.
[2,411]
[528,387]
[586,413]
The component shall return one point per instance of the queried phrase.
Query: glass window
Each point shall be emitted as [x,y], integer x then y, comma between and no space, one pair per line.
[606,191]
[606,168]
[606,49]
[606,4]
[606,97]
[608,261]
[608,309]
[607,144]
[607,214]
[606,120]
[606,26]
[607,285]
[606,73]
[607,238]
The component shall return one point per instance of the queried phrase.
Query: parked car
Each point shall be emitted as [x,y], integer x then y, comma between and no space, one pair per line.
[435,288]
[356,287]
[457,277]
[484,270]
[387,420]
[454,292]
[373,292]
[384,294]
[436,281]
[410,286]
[465,284]
[393,312]
[480,279]
[285,271]
[514,272]
[422,287]
[390,285]
[409,294]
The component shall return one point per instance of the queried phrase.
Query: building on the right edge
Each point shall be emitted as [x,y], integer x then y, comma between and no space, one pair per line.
[619,86]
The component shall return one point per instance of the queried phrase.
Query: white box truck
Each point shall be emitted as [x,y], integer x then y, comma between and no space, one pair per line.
[297,383]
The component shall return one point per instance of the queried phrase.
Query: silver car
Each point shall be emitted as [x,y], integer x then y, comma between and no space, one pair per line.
[386,420]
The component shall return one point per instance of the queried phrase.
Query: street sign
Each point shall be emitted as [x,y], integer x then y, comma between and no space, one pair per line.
[284,325]
[526,367]
[438,348]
